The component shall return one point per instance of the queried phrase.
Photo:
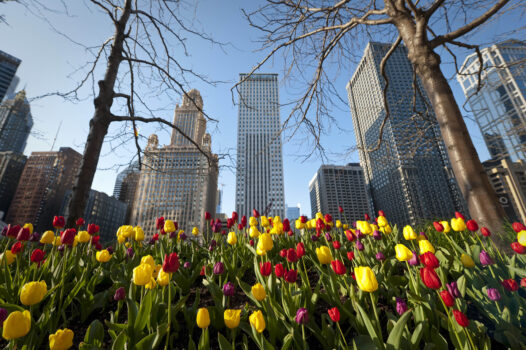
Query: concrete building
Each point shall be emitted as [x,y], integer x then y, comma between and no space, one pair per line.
[178,181]
[11,167]
[132,168]
[409,176]
[15,123]
[259,174]
[333,186]
[499,107]
[43,184]
[107,212]
[8,66]
[293,213]
[509,181]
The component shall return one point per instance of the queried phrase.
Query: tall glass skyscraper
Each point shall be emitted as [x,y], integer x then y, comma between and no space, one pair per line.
[8,66]
[259,175]
[500,106]
[15,123]
[409,176]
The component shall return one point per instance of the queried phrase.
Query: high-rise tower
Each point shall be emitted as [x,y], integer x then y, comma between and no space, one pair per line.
[259,175]
[15,123]
[8,66]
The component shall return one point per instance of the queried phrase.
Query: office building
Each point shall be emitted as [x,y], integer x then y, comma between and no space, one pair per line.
[259,174]
[335,186]
[8,66]
[178,181]
[409,176]
[132,168]
[499,107]
[293,213]
[11,167]
[15,123]
[43,184]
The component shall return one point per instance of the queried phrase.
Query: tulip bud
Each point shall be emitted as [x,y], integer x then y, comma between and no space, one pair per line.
[300,250]
[340,209]
[510,285]
[338,267]
[302,316]
[366,279]
[430,260]
[265,268]
[401,306]
[458,215]
[359,245]
[461,319]
[229,289]
[219,268]
[16,248]
[279,270]
[518,248]
[207,216]
[251,242]
[430,278]
[23,235]
[129,252]
[485,232]
[120,294]
[414,260]
[485,259]
[291,276]
[493,294]
[350,255]
[380,256]
[452,288]
[334,314]
[68,236]
[59,222]
[367,217]
[377,235]
[328,236]
[518,227]
[203,318]
[472,225]
[447,298]
[314,238]
[438,226]
[37,256]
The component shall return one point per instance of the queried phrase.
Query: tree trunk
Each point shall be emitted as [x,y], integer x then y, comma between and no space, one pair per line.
[99,123]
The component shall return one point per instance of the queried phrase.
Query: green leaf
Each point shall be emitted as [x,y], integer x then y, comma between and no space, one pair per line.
[417,334]
[204,340]
[119,343]
[223,343]
[370,328]
[393,342]
[94,334]
[287,342]
[144,312]
[146,343]
[461,282]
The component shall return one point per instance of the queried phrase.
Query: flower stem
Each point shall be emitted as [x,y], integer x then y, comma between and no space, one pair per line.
[344,341]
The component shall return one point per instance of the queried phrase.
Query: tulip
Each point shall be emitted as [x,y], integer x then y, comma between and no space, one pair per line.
[314,238]
[349,235]
[364,227]
[232,238]
[458,224]
[171,263]
[523,282]
[324,255]
[300,250]
[517,227]
[452,288]
[37,256]
[447,298]
[47,238]
[510,285]
[265,268]
[518,248]
[257,321]
[203,318]
[169,226]
[16,248]
[59,222]
[130,253]
[229,289]
[366,279]
[377,235]
[438,226]
[142,274]
[103,256]
[359,245]
[291,276]
[472,225]
[430,278]
[430,260]
[83,237]
[244,221]
[219,268]
[254,232]
[409,233]
[485,232]
[461,319]
[68,236]
[232,318]
[10,257]
[292,257]
[338,267]
[403,253]
[265,242]
[328,237]
[279,270]
[382,221]
[3,315]
[258,292]
[380,256]
[493,294]
[459,215]
[148,259]
[302,316]
[61,340]
[445,225]
[93,229]
[367,217]
[16,325]
[350,256]
[521,238]
[401,306]
[23,234]
[484,258]
[234,216]
[33,292]
[187,265]
[425,246]
[334,314]
[467,261]
[120,294]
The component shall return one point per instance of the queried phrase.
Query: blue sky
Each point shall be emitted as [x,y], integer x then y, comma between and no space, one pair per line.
[49,62]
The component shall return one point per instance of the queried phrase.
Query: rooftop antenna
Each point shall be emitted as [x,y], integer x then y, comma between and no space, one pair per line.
[56,135]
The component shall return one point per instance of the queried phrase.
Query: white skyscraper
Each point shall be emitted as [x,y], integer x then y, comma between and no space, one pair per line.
[259,176]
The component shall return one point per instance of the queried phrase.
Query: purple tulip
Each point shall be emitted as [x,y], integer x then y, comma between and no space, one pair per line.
[182,236]
[187,265]
[35,237]
[359,234]
[359,245]
[377,235]
[354,224]
[120,294]
[129,252]
[173,234]
[4,231]
[485,259]
[328,236]
[229,289]
[401,306]
[3,315]
[23,234]
[493,294]
[414,260]
[423,234]
[314,238]
[380,256]
[219,268]
[110,249]
[151,241]
[302,316]
[452,288]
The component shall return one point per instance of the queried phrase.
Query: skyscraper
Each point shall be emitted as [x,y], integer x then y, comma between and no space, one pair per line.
[177,181]
[409,176]
[293,213]
[259,174]
[117,188]
[42,187]
[11,167]
[15,123]
[499,107]
[333,186]
[8,66]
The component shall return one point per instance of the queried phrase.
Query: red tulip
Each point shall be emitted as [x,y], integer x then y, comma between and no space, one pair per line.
[155,237]
[510,285]
[207,216]
[291,276]
[265,268]
[328,218]
[283,253]
[229,223]
[234,216]
[458,215]
[171,263]
[367,217]
[95,239]
[159,222]
[23,234]
[203,271]
[336,245]
[290,233]
[244,221]
[340,209]
[523,282]
[334,314]
[349,235]
[381,213]
[518,248]
[292,257]
[338,267]
[472,225]
[255,213]
[485,231]
[430,260]
[461,319]
[320,225]
[251,242]
[240,227]
[447,298]
[68,236]
[430,278]
[80,222]
[518,227]
[37,256]
[12,231]
[438,226]
[59,222]
[279,270]
[303,219]
[286,225]
[350,255]
[300,250]
[93,229]
[16,248]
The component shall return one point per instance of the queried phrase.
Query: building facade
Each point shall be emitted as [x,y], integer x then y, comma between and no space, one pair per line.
[499,107]
[107,212]
[42,187]
[8,66]
[333,186]
[259,173]
[409,176]
[178,181]
[509,181]
[132,168]
[293,213]
[15,123]
[11,167]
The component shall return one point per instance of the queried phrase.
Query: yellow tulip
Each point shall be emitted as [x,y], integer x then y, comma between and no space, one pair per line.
[318,216]
[258,292]
[195,231]
[152,284]
[138,234]
[61,340]
[382,221]
[126,231]
[169,226]
[232,318]
[265,242]
[409,233]
[33,292]
[103,256]
[16,325]
[29,226]
[324,255]
[387,229]
[426,246]
[458,224]
[467,261]
[403,253]
[203,318]
[163,278]
[47,238]
[253,232]
[338,224]
[345,226]
[311,224]
[84,237]
[231,238]
[257,321]
[252,221]
[57,241]
[121,238]
[264,221]
[142,274]
[276,219]
[260,251]
[365,279]
[277,229]
[148,259]
[364,227]
[10,257]
[521,238]
[299,225]
[446,226]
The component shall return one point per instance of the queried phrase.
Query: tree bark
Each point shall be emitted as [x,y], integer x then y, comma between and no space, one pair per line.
[99,124]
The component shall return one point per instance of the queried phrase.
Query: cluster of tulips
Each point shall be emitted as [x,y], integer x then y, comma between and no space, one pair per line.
[262,282]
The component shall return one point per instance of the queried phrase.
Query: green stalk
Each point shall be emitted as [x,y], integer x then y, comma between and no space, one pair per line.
[344,341]
[169,313]
[379,327]
[449,318]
